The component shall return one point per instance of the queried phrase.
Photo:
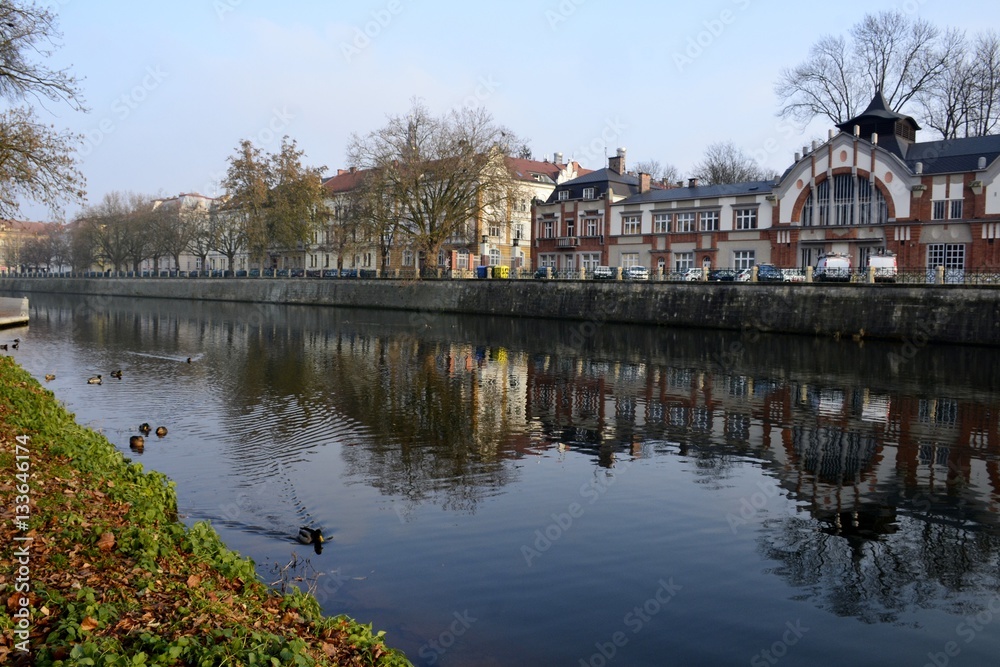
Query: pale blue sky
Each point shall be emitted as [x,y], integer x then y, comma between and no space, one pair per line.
[173,87]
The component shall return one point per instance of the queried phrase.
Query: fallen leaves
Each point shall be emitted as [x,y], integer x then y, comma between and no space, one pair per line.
[107,541]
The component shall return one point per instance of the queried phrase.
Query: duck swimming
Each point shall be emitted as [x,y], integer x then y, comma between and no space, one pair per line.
[116,374]
[144,428]
[313,536]
[136,442]
[94,380]
[50,377]
[161,431]
[309,535]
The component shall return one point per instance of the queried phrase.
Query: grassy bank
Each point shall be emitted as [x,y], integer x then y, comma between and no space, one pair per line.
[95,568]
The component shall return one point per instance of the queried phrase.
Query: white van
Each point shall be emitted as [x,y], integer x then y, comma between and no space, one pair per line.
[885,266]
[833,266]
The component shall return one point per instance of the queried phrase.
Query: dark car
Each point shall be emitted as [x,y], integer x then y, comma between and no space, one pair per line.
[545,272]
[769,273]
[722,275]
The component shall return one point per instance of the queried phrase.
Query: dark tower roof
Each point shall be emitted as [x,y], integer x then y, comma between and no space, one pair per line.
[895,131]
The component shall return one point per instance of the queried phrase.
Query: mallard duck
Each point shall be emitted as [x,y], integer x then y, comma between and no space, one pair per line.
[116,374]
[136,441]
[144,428]
[95,380]
[15,344]
[161,431]
[49,377]
[189,360]
[309,535]
[3,347]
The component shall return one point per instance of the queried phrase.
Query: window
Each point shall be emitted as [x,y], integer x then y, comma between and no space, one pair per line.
[843,200]
[744,259]
[709,221]
[407,257]
[947,209]
[588,193]
[494,256]
[462,259]
[685,222]
[661,223]
[630,259]
[562,195]
[547,261]
[570,227]
[495,229]
[746,218]
[683,260]
[519,230]
[661,266]
[948,255]
[591,226]
[590,259]
[631,224]
[548,230]
[956,209]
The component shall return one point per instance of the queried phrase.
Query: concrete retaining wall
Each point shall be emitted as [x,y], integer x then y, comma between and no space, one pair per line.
[918,315]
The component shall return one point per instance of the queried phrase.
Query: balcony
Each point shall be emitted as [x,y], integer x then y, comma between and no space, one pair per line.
[567,241]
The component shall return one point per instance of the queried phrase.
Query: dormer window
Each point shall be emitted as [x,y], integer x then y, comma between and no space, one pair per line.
[562,195]
[588,193]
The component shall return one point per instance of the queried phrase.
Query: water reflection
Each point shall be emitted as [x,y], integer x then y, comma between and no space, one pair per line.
[889,455]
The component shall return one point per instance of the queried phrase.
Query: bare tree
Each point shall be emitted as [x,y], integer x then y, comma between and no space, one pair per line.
[889,52]
[105,228]
[180,225]
[445,176]
[665,172]
[725,163]
[37,162]
[373,218]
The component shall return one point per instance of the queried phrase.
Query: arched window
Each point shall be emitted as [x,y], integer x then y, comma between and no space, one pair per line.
[845,200]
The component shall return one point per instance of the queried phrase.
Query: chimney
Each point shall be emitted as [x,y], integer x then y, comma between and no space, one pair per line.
[558,158]
[644,180]
[617,163]
[692,182]
[982,163]
[341,172]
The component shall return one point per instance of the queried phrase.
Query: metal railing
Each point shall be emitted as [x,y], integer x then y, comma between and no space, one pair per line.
[932,276]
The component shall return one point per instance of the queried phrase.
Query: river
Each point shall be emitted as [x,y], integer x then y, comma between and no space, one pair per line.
[529,492]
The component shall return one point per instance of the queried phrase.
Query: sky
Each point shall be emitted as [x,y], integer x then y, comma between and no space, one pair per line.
[172,88]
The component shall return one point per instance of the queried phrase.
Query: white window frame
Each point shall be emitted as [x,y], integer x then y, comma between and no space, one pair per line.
[683,261]
[685,223]
[630,259]
[661,223]
[746,218]
[592,225]
[744,259]
[588,193]
[562,195]
[631,224]
[708,221]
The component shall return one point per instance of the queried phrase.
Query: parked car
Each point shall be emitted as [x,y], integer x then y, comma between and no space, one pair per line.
[545,272]
[603,273]
[833,266]
[769,273]
[885,266]
[794,275]
[722,275]
[692,275]
[636,273]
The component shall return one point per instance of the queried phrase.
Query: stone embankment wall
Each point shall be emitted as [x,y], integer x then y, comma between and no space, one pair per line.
[918,314]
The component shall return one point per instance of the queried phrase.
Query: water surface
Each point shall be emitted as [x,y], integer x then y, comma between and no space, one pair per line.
[516,492]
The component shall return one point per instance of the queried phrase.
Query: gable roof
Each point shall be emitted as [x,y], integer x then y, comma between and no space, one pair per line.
[953,155]
[702,192]
[346,180]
